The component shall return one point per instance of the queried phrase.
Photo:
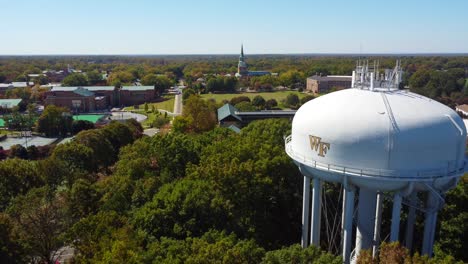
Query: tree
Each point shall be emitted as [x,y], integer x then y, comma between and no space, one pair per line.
[292,101]
[212,247]
[182,209]
[221,84]
[18,121]
[55,121]
[160,82]
[118,134]
[94,77]
[80,125]
[33,152]
[270,104]
[41,219]
[180,124]
[41,79]
[75,79]
[396,253]
[104,153]
[296,254]
[160,122]
[16,177]
[187,93]
[120,78]
[249,170]
[290,78]
[200,114]
[10,248]
[135,128]
[453,218]
[259,102]
[83,199]
[245,107]
[306,99]
[76,156]
[239,99]
[92,235]
[18,151]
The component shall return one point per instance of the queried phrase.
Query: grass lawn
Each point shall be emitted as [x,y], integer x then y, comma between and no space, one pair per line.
[150,119]
[278,96]
[90,118]
[167,104]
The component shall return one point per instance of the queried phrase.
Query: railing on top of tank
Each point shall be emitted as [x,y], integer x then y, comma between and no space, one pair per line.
[449,171]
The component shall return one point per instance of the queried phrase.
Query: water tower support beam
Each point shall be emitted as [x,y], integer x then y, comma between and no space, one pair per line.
[348,222]
[378,223]
[395,229]
[365,221]
[316,212]
[305,212]
[410,221]
[430,224]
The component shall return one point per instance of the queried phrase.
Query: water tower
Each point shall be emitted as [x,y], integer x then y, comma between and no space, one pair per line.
[375,139]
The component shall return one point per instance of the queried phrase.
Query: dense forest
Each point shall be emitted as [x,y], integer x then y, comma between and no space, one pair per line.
[116,196]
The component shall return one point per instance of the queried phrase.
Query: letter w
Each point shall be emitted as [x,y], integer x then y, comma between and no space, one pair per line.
[315,142]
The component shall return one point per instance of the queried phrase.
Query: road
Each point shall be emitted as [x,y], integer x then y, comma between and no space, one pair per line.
[178,104]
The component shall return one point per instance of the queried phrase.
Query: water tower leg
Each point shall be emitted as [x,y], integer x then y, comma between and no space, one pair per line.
[395,229]
[410,222]
[348,223]
[430,224]
[305,212]
[316,212]
[378,223]
[365,222]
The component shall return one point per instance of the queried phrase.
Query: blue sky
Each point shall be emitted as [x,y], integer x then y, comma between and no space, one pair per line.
[219,27]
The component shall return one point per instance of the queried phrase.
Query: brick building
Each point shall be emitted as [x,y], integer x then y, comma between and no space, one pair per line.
[323,84]
[94,98]
[134,95]
[77,99]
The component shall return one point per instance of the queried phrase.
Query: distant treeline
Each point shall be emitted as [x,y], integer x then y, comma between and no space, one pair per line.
[440,77]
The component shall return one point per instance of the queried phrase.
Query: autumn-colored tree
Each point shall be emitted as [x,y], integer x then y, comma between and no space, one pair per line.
[200,114]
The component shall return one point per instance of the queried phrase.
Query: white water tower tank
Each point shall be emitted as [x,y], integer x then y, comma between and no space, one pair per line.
[375,138]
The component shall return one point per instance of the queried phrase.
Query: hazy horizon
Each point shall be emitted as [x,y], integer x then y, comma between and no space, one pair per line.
[251,54]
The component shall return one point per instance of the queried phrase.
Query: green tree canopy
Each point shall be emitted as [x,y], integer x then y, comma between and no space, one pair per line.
[55,121]
[259,102]
[17,177]
[94,77]
[292,101]
[41,218]
[160,82]
[75,79]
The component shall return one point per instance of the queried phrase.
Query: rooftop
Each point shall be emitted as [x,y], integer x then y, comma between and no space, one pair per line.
[9,103]
[137,88]
[227,110]
[83,92]
[331,78]
[89,88]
